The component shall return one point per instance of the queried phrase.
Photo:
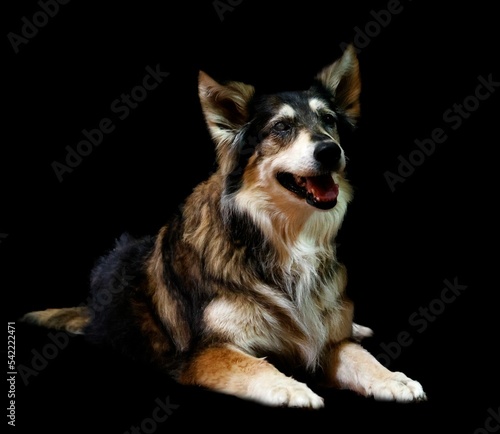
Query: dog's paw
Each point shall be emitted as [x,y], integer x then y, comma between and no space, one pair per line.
[294,394]
[397,387]
[360,332]
[287,392]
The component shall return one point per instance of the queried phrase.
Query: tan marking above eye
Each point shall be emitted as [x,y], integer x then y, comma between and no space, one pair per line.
[316,104]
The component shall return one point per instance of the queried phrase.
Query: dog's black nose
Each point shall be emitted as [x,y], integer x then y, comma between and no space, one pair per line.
[328,153]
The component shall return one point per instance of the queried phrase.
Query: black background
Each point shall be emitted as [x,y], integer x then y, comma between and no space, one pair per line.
[399,246]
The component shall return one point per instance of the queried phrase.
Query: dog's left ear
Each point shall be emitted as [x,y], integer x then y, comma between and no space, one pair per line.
[342,80]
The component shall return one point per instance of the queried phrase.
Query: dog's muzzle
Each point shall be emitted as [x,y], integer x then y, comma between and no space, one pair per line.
[318,190]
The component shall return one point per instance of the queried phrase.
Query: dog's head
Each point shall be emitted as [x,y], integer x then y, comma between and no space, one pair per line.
[284,149]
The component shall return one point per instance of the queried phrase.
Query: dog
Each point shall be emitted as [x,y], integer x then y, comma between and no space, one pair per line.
[241,291]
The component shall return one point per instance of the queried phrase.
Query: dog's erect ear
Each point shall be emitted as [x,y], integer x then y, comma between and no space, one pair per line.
[225,107]
[343,81]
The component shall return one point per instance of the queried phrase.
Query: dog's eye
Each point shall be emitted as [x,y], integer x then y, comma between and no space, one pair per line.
[281,127]
[328,119]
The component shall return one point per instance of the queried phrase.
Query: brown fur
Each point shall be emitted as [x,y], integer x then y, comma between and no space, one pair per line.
[71,319]
[244,288]
[167,306]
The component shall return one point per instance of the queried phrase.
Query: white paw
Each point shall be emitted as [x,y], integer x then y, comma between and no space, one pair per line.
[287,392]
[360,332]
[397,387]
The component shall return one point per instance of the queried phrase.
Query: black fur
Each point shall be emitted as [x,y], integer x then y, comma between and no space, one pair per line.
[113,286]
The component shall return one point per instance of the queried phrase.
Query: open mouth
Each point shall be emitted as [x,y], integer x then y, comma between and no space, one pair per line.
[318,191]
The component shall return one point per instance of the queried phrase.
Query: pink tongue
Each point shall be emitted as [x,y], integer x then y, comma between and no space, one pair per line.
[323,188]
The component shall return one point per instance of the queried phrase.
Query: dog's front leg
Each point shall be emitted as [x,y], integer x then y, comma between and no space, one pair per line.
[231,371]
[352,367]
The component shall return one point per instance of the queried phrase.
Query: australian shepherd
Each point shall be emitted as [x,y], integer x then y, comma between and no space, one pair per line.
[241,292]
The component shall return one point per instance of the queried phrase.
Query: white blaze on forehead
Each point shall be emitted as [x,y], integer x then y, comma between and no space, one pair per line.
[298,158]
[316,104]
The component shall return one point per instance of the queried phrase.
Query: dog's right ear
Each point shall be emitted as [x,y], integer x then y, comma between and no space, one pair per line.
[225,107]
